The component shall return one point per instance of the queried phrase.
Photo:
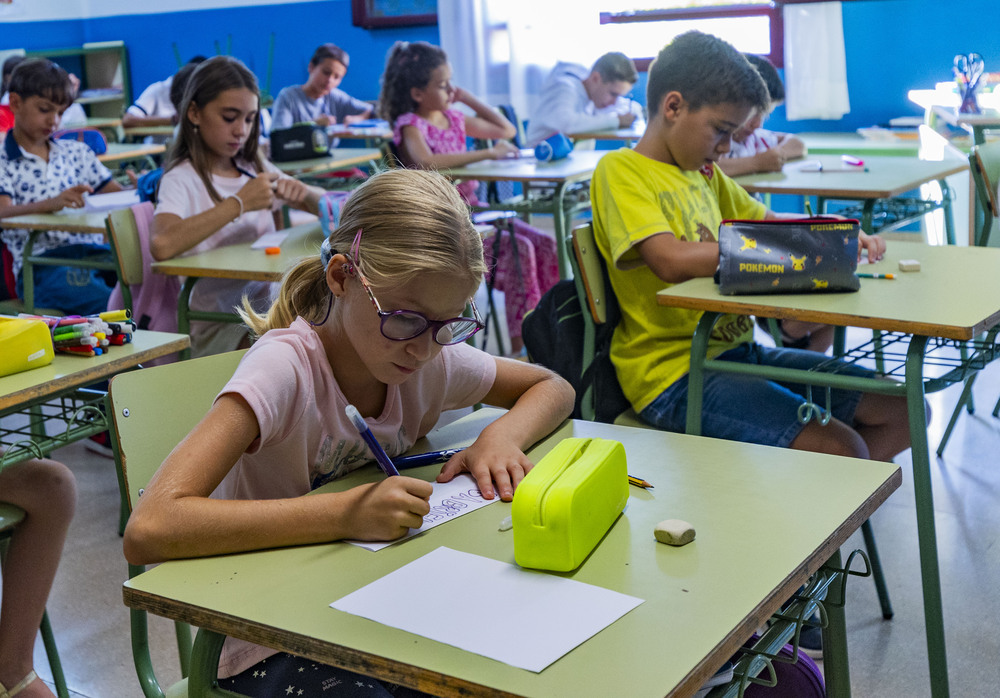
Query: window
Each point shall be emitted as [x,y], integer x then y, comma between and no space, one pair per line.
[752,26]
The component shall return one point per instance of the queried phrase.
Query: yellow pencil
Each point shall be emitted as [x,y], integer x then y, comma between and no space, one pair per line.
[638,482]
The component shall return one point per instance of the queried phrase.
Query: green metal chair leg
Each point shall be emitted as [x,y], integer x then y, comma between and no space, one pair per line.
[964,400]
[55,664]
[878,575]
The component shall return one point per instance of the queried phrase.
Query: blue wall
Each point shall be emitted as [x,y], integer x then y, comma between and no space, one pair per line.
[892,46]
[298,29]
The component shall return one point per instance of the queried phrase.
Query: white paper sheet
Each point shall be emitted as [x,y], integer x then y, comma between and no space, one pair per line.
[448,501]
[272,239]
[100,203]
[535,618]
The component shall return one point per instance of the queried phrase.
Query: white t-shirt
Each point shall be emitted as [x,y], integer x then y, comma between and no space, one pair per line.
[183,194]
[305,437]
[154,101]
[564,106]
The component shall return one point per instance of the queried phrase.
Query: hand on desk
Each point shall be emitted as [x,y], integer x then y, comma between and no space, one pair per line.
[387,509]
[71,198]
[490,463]
[874,244]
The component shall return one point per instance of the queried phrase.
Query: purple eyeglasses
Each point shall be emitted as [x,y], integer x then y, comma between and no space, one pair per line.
[401,325]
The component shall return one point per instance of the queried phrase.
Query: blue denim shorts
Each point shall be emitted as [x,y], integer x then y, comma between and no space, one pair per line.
[73,290]
[753,409]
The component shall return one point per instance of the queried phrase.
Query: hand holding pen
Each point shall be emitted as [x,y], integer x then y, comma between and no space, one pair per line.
[384,510]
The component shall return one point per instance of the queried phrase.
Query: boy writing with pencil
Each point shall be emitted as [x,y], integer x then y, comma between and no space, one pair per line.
[656,212]
[39,174]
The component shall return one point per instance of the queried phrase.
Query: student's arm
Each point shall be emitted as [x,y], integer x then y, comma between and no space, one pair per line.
[130,120]
[538,401]
[675,261]
[791,146]
[173,235]
[770,160]
[298,194]
[175,517]
[488,123]
[557,110]
[419,153]
[70,198]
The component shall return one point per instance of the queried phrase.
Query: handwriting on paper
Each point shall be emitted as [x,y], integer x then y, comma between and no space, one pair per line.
[448,501]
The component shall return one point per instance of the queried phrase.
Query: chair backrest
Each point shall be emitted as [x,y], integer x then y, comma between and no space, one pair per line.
[510,114]
[123,234]
[93,138]
[154,408]
[589,271]
[984,161]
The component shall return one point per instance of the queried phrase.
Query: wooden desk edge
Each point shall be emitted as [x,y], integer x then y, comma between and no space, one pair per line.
[722,304]
[176,267]
[325,652]
[764,610]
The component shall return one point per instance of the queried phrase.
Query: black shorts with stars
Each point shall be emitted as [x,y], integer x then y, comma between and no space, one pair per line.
[287,675]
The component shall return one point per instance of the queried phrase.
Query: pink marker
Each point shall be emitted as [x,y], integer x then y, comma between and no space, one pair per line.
[851,160]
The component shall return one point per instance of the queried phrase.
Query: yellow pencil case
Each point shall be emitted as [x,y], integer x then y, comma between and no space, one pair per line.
[567,502]
[24,344]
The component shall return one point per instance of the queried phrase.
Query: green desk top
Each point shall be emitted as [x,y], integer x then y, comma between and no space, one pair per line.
[831,143]
[119,152]
[579,165]
[886,177]
[955,295]
[243,262]
[762,528]
[78,222]
[338,159]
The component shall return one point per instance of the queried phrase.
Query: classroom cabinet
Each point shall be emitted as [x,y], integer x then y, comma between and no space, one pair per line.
[102,67]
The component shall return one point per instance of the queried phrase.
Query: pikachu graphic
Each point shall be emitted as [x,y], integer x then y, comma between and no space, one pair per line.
[798,263]
[748,243]
[819,283]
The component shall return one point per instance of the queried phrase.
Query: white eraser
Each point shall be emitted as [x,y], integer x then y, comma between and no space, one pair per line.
[909,265]
[674,532]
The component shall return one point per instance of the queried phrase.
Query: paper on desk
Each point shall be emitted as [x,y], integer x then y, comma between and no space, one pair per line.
[101,203]
[272,239]
[534,617]
[448,501]
[803,166]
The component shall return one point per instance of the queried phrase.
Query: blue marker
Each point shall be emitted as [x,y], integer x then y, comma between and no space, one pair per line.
[380,455]
[415,461]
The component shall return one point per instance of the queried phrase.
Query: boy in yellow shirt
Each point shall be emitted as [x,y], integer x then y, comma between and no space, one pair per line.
[656,212]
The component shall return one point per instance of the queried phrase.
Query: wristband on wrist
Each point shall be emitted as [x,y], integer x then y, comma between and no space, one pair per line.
[239,201]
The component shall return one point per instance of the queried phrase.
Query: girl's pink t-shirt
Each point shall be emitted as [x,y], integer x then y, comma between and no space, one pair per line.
[305,437]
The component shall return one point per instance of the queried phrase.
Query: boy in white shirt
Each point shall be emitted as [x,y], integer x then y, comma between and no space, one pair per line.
[574,99]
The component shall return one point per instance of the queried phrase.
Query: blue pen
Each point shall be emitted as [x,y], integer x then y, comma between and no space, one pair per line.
[416,460]
[380,455]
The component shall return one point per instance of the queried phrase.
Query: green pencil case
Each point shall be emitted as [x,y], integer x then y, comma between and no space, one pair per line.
[567,502]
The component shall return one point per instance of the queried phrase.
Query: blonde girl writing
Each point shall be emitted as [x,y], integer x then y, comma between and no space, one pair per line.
[378,321]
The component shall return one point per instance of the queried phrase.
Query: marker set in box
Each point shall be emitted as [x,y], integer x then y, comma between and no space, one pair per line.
[89,335]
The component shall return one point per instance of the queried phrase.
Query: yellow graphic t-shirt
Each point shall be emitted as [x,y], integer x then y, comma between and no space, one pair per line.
[633,198]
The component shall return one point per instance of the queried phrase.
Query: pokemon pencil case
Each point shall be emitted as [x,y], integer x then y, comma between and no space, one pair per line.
[567,502]
[25,343]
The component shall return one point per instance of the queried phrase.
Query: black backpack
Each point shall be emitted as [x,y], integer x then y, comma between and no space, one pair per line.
[553,334]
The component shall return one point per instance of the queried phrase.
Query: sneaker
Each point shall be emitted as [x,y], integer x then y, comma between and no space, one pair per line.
[811,639]
[101,445]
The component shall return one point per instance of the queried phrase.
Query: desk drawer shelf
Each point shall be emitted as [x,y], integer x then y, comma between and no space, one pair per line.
[34,432]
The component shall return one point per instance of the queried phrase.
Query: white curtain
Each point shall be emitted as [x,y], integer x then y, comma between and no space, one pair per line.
[815,62]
